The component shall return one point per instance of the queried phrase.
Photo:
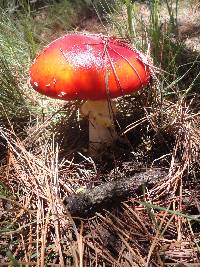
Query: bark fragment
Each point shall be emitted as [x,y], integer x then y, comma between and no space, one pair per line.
[108,194]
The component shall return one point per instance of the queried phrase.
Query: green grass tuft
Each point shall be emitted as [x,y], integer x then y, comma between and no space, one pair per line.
[14,62]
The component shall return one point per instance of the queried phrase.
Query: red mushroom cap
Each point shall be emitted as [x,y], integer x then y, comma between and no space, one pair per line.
[86,66]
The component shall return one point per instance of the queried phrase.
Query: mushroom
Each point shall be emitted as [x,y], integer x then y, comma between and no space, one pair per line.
[93,68]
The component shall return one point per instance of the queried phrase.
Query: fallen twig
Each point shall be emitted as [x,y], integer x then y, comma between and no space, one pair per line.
[108,194]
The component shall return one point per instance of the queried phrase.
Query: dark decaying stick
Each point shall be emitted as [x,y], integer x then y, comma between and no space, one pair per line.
[108,194]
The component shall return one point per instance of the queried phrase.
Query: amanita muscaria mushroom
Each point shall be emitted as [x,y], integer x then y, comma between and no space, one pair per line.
[93,68]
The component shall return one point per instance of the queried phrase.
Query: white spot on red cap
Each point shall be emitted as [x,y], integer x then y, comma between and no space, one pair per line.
[86,58]
[62,94]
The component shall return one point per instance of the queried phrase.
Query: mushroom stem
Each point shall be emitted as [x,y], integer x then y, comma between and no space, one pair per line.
[101,123]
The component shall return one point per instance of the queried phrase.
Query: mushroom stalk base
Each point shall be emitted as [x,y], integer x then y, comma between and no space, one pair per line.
[99,136]
[101,124]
